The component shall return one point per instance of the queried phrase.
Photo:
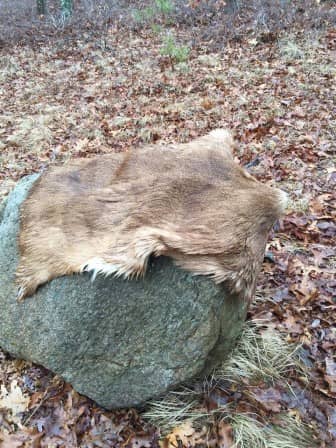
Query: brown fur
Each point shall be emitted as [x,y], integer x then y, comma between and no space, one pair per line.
[191,202]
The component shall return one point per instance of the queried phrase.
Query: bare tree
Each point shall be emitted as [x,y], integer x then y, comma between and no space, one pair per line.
[67,7]
[41,6]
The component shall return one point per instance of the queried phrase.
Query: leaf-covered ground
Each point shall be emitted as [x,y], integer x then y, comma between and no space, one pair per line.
[97,95]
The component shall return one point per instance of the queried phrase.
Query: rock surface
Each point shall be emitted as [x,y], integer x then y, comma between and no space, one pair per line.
[118,342]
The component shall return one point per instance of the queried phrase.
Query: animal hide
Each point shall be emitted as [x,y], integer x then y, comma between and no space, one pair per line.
[108,214]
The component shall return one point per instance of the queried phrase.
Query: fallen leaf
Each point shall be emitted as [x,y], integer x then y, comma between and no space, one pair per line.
[293,325]
[269,398]
[184,435]
[13,400]
[225,435]
[11,441]
[330,375]
[207,104]
[306,139]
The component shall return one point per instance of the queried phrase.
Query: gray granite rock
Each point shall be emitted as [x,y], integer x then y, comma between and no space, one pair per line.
[118,342]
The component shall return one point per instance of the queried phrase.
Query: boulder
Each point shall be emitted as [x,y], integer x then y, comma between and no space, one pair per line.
[119,342]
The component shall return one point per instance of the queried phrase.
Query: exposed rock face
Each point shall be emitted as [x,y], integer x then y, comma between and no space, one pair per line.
[118,342]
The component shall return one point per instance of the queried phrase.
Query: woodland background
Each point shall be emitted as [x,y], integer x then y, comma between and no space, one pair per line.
[91,77]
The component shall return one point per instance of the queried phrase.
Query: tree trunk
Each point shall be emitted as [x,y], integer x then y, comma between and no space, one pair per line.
[41,6]
[66,6]
[233,5]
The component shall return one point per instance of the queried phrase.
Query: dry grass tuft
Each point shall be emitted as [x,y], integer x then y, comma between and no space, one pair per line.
[35,132]
[248,432]
[304,52]
[287,433]
[176,408]
[260,355]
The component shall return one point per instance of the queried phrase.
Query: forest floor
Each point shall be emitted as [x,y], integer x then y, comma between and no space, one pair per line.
[92,95]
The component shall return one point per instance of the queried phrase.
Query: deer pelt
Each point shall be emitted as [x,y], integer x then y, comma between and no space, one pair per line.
[109,214]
